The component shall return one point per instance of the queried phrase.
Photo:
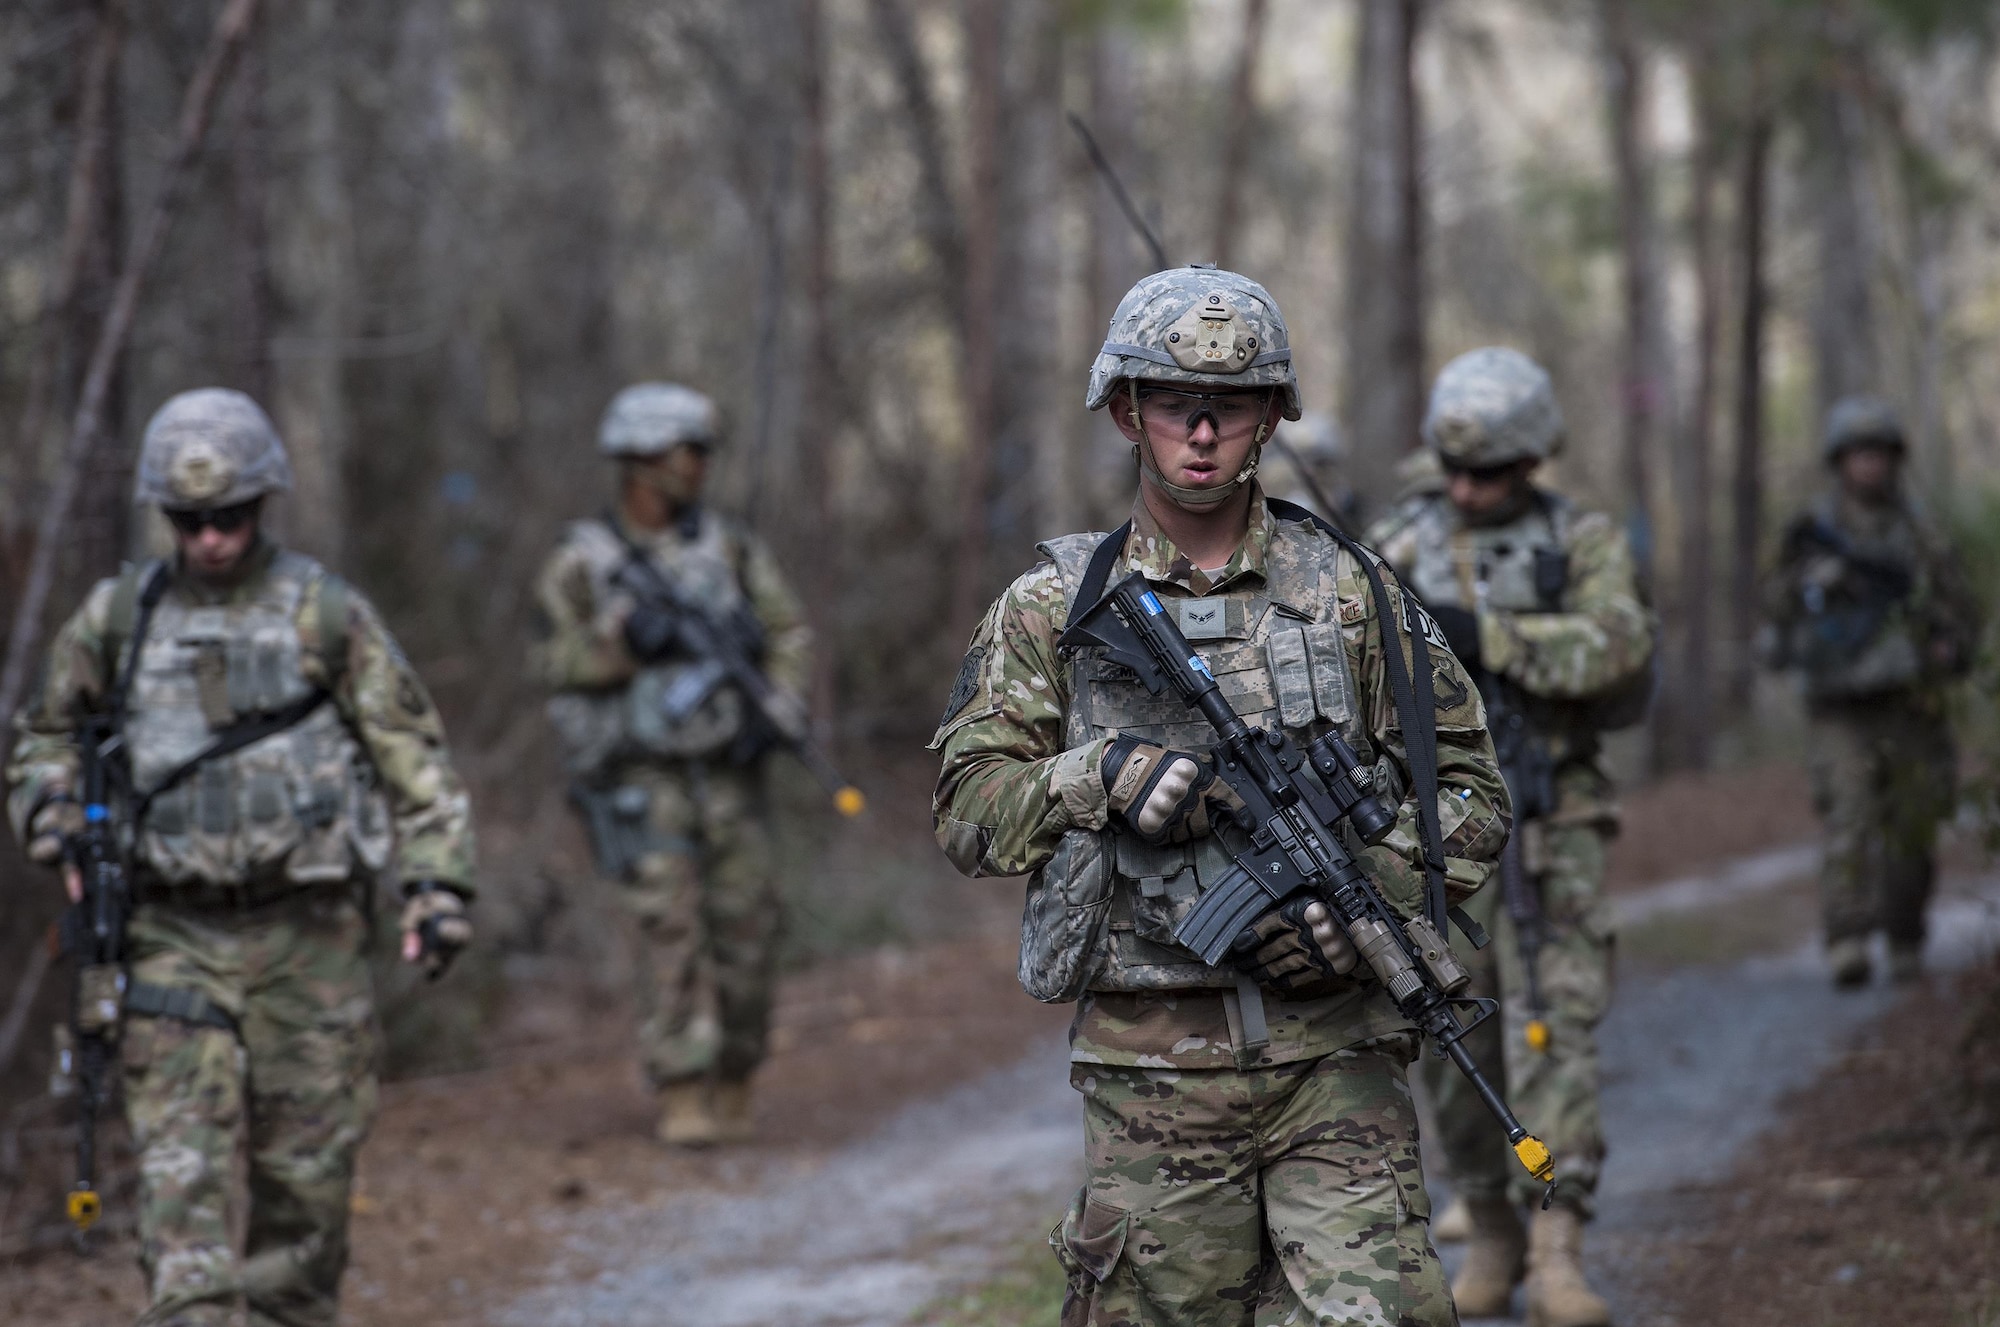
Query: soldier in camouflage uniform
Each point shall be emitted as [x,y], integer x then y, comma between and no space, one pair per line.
[248,1012]
[1869,606]
[673,790]
[1249,1134]
[1539,598]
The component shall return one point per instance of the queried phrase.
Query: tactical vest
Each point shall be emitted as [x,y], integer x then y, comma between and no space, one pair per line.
[1854,634]
[300,804]
[1525,567]
[1101,913]
[651,717]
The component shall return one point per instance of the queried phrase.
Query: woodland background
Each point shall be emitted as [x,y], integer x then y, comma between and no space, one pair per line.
[434,237]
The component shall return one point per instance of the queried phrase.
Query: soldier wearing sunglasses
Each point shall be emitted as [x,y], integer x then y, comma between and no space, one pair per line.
[280,755]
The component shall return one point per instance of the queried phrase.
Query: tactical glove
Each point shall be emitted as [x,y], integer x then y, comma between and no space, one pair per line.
[1163,795]
[1297,950]
[58,820]
[650,632]
[434,926]
[1461,631]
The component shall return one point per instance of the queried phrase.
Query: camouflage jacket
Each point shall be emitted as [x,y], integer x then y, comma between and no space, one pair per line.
[1568,644]
[580,651]
[1868,602]
[389,724]
[1020,777]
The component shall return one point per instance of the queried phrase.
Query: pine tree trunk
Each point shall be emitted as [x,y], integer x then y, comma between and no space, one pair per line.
[1385,330]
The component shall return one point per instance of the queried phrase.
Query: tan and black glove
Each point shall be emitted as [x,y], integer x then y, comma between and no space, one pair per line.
[1163,795]
[58,820]
[434,926]
[1297,951]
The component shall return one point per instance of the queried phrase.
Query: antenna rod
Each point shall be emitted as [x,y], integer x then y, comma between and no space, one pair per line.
[1125,203]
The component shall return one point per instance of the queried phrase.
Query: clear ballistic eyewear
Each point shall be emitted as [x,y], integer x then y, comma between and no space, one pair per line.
[1230,414]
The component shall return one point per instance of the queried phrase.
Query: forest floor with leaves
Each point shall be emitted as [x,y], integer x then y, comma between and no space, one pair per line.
[487,1196]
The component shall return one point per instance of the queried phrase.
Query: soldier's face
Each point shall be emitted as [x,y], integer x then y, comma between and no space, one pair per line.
[213,544]
[1199,439]
[1488,494]
[1869,471]
[676,474]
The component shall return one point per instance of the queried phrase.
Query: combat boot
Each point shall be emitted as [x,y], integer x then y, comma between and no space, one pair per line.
[1454,1226]
[1906,960]
[1849,961]
[1558,1296]
[687,1118]
[733,1122]
[1495,1252]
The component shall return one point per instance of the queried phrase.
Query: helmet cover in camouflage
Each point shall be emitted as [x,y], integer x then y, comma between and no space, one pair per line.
[210,448]
[1200,326]
[1856,421]
[1491,406]
[652,418]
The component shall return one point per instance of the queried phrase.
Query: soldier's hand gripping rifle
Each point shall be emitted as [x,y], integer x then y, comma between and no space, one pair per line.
[1286,841]
[93,936]
[727,651]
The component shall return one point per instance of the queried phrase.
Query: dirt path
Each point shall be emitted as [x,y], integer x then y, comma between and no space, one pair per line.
[1698,1053]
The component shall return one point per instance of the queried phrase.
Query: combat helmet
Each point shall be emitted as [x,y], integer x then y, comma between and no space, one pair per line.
[1202,327]
[1857,421]
[1491,406]
[652,418]
[210,448]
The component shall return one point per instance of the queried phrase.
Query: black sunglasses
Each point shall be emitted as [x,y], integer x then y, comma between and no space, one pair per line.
[1482,474]
[226,520]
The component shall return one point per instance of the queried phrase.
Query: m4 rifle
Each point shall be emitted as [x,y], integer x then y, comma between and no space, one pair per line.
[1286,840]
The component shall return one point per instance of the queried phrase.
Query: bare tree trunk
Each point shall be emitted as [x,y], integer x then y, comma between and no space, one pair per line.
[250,239]
[937,214]
[1385,331]
[93,174]
[1694,721]
[1644,389]
[1748,488]
[821,413]
[1843,312]
[1236,142]
[983,32]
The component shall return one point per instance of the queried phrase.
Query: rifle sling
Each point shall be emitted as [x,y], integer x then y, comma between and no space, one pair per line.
[230,740]
[177,1002]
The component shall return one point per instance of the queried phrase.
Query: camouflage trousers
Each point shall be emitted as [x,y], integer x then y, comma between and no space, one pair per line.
[1226,1198]
[296,1091]
[703,913]
[1554,1091]
[1883,775]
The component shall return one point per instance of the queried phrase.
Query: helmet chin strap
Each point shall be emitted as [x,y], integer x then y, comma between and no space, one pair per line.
[1189,499]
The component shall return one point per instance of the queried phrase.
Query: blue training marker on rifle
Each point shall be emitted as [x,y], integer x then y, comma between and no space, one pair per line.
[1152,603]
[96,811]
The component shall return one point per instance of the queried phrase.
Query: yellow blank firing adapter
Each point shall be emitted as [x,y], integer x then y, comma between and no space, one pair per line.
[84,1208]
[1536,1034]
[849,801]
[1535,1155]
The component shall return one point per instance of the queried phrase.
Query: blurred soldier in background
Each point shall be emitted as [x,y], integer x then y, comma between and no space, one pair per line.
[1251,1147]
[1539,601]
[281,753]
[668,760]
[1868,605]
[1305,467]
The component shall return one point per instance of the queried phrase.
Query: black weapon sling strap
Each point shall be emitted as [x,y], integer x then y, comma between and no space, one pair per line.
[1415,705]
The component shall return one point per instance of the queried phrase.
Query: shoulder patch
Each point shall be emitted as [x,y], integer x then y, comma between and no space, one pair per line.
[1423,622]
[1352,611]
[1447,692]
[967,683]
